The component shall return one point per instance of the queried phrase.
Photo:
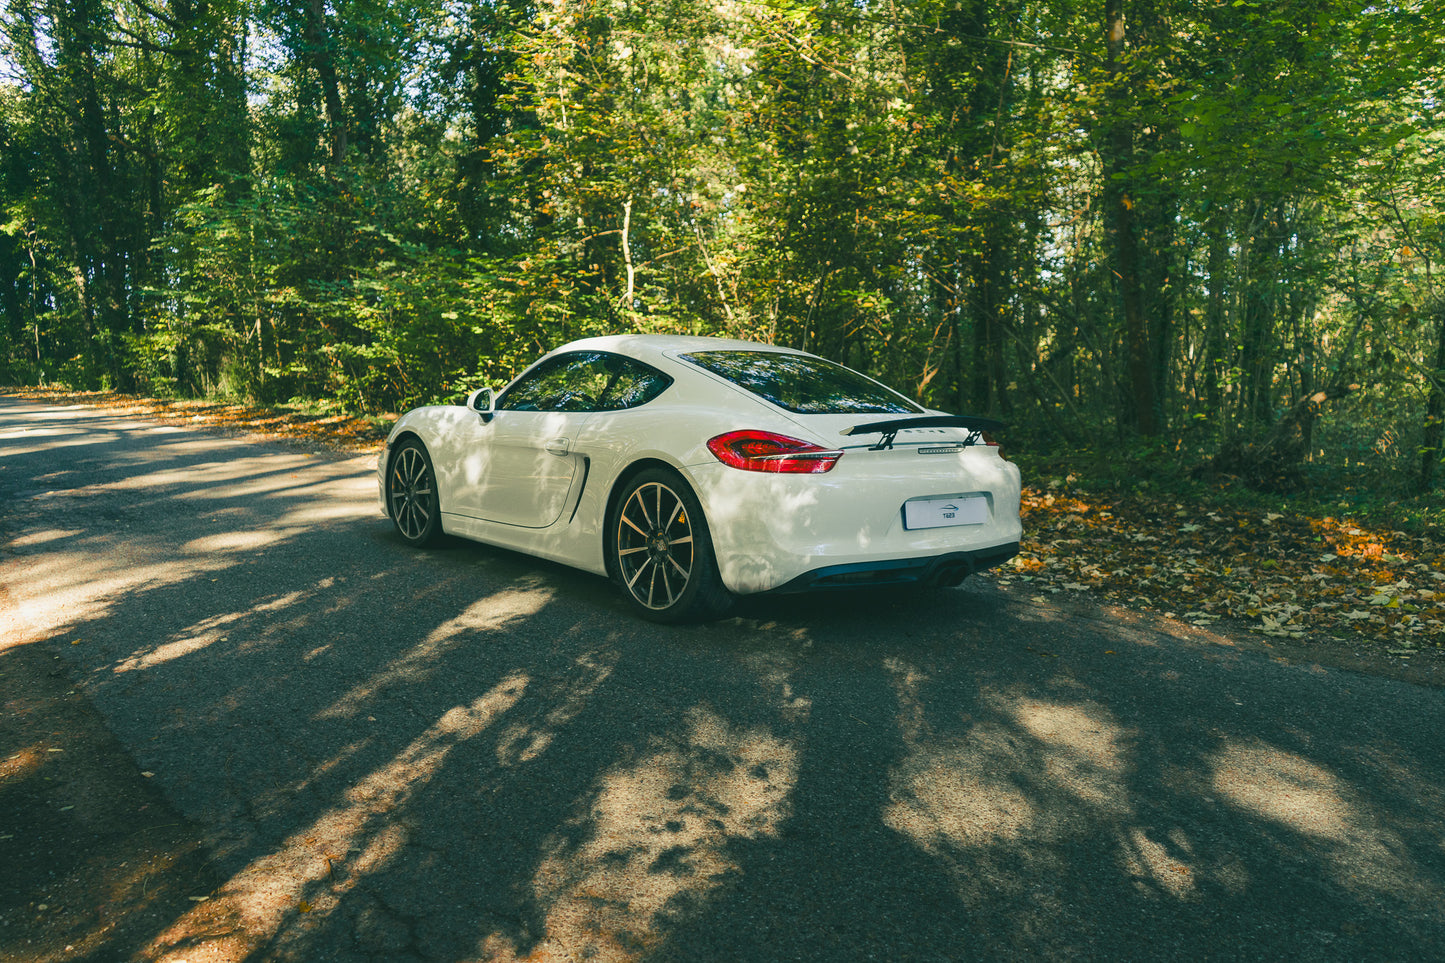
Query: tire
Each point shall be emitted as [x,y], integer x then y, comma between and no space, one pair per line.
[661,551]
[411,494]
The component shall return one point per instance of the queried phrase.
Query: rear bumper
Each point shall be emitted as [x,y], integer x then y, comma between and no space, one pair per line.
[937,570]
[846,527]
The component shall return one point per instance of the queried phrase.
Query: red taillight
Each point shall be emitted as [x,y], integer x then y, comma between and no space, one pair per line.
[766,451]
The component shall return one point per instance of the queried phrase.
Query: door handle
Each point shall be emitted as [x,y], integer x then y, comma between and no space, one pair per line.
[557,446]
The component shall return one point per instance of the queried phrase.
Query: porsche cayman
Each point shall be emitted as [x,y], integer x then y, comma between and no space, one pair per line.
[694,470]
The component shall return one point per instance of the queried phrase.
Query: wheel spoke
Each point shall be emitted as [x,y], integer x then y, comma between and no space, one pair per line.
[631,551]
[633,525]
[638,574]
[642,507]
[681,571]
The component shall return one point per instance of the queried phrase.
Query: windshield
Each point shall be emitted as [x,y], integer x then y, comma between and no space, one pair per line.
[802,383]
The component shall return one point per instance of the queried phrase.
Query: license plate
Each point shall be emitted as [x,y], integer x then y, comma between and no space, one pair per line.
[943,512]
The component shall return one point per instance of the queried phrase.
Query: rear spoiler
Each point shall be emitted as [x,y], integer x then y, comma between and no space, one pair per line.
[889,429]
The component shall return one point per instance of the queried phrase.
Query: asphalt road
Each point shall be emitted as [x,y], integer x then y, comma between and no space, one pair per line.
[464,753]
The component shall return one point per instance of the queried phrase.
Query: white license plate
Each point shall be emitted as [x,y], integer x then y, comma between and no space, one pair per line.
[943,512]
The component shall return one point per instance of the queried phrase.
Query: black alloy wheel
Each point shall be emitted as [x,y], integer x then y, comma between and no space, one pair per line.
[411,494]
[662,551]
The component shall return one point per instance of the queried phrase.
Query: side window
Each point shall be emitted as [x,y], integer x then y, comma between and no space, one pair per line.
[633,384]
[569,382]
[585,381]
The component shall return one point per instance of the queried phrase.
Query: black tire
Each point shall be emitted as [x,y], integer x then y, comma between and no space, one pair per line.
[661,551]
[411,494]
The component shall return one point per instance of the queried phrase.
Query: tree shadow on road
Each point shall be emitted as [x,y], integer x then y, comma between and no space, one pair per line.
[467,754]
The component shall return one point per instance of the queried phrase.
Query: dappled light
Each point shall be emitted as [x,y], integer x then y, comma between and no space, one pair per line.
[164,653]
[1084,751]
[1065,770]
[1155,864]
[1050,773]
[654,841]
[1291,791]
[417,665]
[362,835]
[1284,788]
[44,536]
[54,597]
[81,572]
[22,762]
[738,509]
[230,542]
[523,742]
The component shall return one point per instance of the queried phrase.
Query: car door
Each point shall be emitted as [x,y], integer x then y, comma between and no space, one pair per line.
[521,462]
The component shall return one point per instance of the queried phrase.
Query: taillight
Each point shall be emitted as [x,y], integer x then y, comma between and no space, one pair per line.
[766,451]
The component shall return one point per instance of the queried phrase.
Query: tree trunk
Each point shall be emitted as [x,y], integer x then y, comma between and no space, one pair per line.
[1215,315]
[319,40]
[1140,408]
[1268,229]
[1434,440]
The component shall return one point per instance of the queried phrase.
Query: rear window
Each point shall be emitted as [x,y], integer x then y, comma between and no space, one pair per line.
[803,384]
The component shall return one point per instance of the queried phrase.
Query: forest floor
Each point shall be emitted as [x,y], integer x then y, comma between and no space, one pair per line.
[1287,576]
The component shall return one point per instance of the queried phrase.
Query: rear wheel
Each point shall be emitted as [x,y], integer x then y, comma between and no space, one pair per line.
[662,551]
[411,494]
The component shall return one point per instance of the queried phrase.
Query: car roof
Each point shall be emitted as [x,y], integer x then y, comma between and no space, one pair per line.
[651,347]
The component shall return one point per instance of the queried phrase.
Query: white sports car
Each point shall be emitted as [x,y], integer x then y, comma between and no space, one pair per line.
[691,470]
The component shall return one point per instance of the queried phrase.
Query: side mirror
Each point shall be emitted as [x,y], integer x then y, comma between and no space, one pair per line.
[483,401]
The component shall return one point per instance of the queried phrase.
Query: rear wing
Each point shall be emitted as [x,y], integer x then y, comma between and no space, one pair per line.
[889,429]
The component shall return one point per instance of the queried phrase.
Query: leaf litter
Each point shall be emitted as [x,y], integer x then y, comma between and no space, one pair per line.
[1281,574]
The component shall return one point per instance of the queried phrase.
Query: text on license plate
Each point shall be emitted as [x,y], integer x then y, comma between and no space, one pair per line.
[942,512]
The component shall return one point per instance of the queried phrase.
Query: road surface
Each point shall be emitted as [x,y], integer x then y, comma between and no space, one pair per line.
[465,753]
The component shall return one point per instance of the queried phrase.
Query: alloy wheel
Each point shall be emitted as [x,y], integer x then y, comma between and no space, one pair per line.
[655,547]
[413,498]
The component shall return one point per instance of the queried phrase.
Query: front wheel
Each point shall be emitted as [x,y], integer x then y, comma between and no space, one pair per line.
[411,494]
[662,551]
